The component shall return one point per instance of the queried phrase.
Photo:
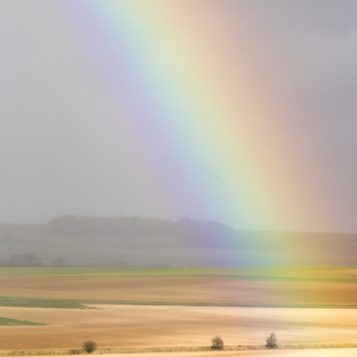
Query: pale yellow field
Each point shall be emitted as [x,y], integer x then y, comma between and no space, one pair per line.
[115,326]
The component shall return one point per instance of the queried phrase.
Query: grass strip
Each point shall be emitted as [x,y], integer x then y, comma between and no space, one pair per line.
[31,302]
[208,304]
[12,322]
[12,301]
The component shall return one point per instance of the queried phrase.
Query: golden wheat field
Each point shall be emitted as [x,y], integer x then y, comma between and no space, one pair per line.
[155,315]
[151,326]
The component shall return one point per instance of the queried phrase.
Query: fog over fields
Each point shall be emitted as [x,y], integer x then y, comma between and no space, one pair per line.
[138,242]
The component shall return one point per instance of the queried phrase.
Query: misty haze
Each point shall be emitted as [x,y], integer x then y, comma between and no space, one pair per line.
[178,178]
[136,242]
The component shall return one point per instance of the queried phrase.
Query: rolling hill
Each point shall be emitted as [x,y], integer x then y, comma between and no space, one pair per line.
[142,242]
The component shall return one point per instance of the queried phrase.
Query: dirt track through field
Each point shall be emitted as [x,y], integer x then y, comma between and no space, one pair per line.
[145,326]
[345,352]
[283,353]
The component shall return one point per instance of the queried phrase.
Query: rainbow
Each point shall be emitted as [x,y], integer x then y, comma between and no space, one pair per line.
[201,113]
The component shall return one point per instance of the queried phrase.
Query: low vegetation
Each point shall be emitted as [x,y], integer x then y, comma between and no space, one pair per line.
[74,351]
[12,322]
[12,301]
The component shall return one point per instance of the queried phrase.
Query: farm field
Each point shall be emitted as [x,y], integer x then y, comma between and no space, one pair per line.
[179,311]
[114,326]
[288,287]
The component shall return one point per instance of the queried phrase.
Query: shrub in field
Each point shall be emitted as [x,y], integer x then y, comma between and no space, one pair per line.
[89,346]
[271,341]
[217,343]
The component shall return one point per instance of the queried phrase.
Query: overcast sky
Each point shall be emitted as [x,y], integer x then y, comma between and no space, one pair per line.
[61,152]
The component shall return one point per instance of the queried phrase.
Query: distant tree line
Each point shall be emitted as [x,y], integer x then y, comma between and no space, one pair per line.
[191,232]
[113,226]
[33,260]
[30,260]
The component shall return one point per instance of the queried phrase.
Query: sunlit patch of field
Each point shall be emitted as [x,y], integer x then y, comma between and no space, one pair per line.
[114,326]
